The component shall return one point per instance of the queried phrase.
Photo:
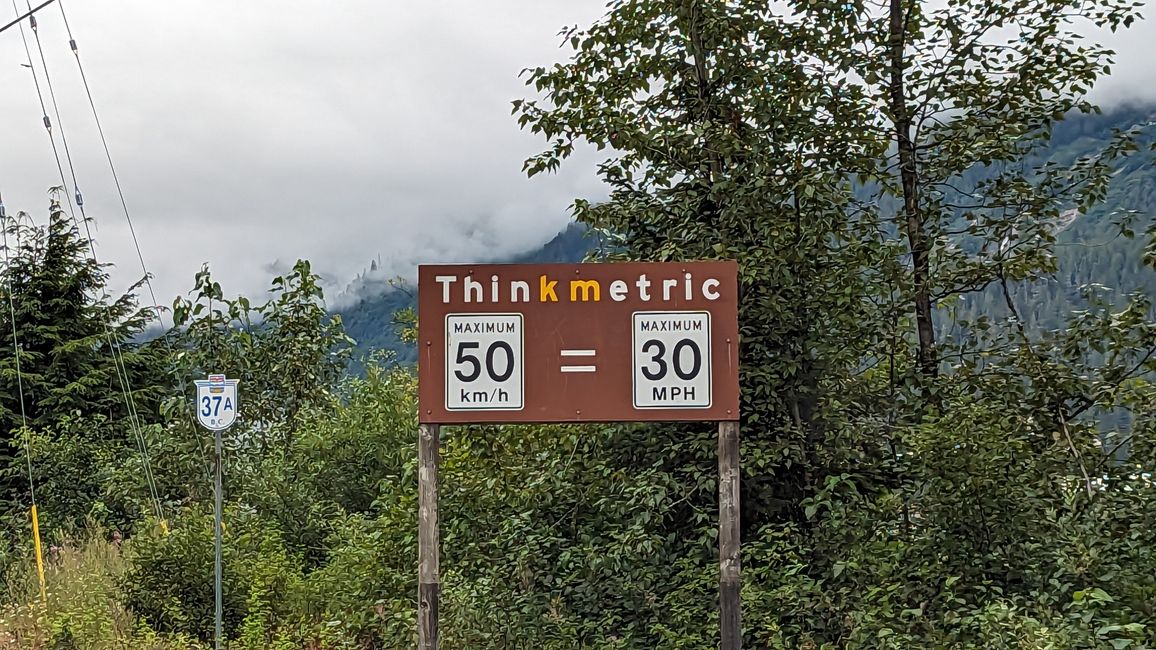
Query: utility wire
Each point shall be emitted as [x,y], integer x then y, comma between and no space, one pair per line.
[16,350]
[23,411]
[114,345]
[111,166]
[127,216]
[30,13]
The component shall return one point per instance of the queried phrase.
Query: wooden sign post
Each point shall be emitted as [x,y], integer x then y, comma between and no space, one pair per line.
[730,616]
[429,582]
[615,342]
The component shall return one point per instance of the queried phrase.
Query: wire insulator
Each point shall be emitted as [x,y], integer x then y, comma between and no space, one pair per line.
[47,123]
[72,44]
[32,21]
[79,199]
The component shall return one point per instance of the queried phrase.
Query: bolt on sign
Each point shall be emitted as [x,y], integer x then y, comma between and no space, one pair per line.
[610,342]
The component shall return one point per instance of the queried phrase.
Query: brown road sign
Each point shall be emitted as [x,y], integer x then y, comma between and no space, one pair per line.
[613,342]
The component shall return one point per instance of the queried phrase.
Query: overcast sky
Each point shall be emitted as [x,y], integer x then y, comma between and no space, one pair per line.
[257,132]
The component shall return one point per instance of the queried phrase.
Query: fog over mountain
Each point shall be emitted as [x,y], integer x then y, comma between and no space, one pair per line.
[249,135]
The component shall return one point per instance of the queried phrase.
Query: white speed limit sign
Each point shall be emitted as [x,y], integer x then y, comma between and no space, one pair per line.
[484,369]
[672,365]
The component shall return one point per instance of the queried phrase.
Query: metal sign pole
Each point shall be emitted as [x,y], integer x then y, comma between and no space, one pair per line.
[429,583]
[217,533]
[216,408]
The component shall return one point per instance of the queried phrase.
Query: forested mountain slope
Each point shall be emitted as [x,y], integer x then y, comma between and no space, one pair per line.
[1090,250]
[370,317]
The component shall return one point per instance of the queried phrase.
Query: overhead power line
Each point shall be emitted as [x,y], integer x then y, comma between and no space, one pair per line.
[24,432]
[114,345]
[16,348]
[181,383]
[30,13]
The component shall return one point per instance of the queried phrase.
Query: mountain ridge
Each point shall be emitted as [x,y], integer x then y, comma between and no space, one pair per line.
[369,319]
[1088,248]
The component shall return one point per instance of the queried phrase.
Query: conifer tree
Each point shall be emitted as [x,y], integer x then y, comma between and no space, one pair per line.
[80,358]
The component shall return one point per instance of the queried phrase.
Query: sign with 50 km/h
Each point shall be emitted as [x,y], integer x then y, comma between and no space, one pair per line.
[612,342]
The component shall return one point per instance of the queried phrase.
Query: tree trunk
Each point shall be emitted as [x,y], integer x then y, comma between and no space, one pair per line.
[913,222]
[702,84]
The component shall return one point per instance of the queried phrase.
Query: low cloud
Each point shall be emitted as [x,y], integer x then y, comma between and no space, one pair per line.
[252,134]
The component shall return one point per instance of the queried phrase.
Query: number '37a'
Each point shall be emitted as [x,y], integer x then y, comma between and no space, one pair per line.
[211,405]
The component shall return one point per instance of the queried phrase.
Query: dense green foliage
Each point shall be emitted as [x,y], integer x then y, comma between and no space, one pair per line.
[931,334]
[78,364]
[868,167]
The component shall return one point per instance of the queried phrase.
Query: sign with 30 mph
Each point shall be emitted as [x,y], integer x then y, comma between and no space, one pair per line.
[611,342]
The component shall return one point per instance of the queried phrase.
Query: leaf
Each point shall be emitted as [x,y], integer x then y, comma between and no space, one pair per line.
[1100,595]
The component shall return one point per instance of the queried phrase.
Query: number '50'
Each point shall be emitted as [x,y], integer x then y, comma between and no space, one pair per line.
[466,356]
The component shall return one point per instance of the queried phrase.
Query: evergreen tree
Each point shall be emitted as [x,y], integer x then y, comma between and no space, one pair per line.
[79,360]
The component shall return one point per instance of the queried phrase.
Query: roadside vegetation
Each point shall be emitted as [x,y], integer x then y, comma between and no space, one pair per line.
[927,462]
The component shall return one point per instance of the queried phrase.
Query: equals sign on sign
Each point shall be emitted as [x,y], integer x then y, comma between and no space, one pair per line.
[577,356]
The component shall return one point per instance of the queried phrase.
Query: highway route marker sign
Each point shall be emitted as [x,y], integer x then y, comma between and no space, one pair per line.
[216,402]
[216,408]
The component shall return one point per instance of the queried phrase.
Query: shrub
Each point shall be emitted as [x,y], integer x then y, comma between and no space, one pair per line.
[170,579]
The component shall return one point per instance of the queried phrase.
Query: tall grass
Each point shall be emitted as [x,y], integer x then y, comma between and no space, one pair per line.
[83,610]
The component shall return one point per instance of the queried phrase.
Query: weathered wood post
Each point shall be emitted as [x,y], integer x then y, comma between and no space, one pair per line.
[429,583]
[730,616]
